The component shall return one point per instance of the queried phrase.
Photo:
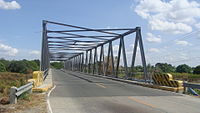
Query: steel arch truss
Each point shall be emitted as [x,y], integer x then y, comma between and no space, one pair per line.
[77,48]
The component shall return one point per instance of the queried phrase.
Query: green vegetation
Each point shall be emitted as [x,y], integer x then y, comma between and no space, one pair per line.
[183,69]
[20,66]
[57,65]
[197,70]
[2,67]
[8,80]
[181,72]
[15,73]
[164,67]
[187,77]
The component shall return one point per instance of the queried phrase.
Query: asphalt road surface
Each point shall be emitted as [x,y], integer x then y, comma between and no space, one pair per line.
[79,93]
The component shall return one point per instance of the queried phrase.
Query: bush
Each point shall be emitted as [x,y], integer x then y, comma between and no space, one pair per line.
[197,70]
[57,65]
[23,66]
[5,62]
[8,80]
[18,67]
[164,67]
[183,69]
[2,67]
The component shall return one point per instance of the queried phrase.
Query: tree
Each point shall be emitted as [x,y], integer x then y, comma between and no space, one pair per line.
[138,68]
[37,62]
[31,65]
[5,62]
[57,65]
[164,67]
[197,70]
[183,69]
[2,67]
[18,67]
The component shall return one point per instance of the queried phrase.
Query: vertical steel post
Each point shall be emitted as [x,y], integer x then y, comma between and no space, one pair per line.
[86,62]
[118,59]
[100,61]
[124,57]
[107,63]
[134,52]
[112,59]
[94,65]
[103,59]
[90,61]
[82,63]
[97,62]
[42,63]
[142,53]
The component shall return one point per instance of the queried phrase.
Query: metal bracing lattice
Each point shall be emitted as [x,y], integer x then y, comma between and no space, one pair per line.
[77,47]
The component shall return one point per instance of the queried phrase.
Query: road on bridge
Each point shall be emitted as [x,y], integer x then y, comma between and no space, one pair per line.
[79,93]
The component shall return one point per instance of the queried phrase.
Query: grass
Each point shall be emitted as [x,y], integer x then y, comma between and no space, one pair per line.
[35,104]
[137,75]
[187,77]
[8,80]
[25,96]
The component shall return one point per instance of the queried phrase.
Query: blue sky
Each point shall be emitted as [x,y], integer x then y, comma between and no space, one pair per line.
[170,28]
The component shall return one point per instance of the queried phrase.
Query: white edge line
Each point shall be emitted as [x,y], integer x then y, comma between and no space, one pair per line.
[49,106]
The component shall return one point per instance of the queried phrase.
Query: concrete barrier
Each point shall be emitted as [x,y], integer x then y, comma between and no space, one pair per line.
[37,78]
[166,79]
[39,84]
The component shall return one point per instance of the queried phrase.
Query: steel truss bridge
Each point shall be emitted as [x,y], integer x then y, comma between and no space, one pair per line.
[77,47]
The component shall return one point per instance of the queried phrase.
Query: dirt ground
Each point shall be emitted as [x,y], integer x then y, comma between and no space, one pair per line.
[35,104]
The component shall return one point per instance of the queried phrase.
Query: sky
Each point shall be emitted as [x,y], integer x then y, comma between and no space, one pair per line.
[170,28]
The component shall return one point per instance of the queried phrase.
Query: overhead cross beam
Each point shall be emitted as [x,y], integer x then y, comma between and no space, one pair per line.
[78,48]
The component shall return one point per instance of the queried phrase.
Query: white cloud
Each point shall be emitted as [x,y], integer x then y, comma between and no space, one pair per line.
[198,35]
[170,27]
[9,5]
[182,42]
[7,50]
[197,26]
[174,16]
[153,38]
[154,50]
[34,52]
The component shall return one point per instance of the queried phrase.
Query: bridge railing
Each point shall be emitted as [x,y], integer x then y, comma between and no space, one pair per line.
[45,73]
[190,88]
[16,92]
[91,50]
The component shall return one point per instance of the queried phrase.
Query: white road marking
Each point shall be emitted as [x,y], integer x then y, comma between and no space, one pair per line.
[49,106]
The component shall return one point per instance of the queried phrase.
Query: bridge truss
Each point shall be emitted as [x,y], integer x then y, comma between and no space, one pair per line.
[77,48]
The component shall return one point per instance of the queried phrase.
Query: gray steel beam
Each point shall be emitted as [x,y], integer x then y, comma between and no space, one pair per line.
[112,59]
[50,31]
[117,37]
[90,61]
[124,57]
[118,58]
[142,54]
[88,29]
[108,58]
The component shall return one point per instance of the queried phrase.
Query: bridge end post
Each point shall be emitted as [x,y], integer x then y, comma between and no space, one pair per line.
[12,96]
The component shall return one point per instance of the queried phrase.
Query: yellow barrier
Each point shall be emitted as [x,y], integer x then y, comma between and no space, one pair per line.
[37,78]
[166,80]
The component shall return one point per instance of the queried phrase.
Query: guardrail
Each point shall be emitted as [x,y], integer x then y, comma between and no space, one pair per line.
[190,87]
[45,73]
[16,92]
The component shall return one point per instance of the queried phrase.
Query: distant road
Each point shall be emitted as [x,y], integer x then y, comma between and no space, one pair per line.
[78,93]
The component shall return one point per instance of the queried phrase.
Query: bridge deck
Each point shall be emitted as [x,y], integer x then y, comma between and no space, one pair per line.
[78,93]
